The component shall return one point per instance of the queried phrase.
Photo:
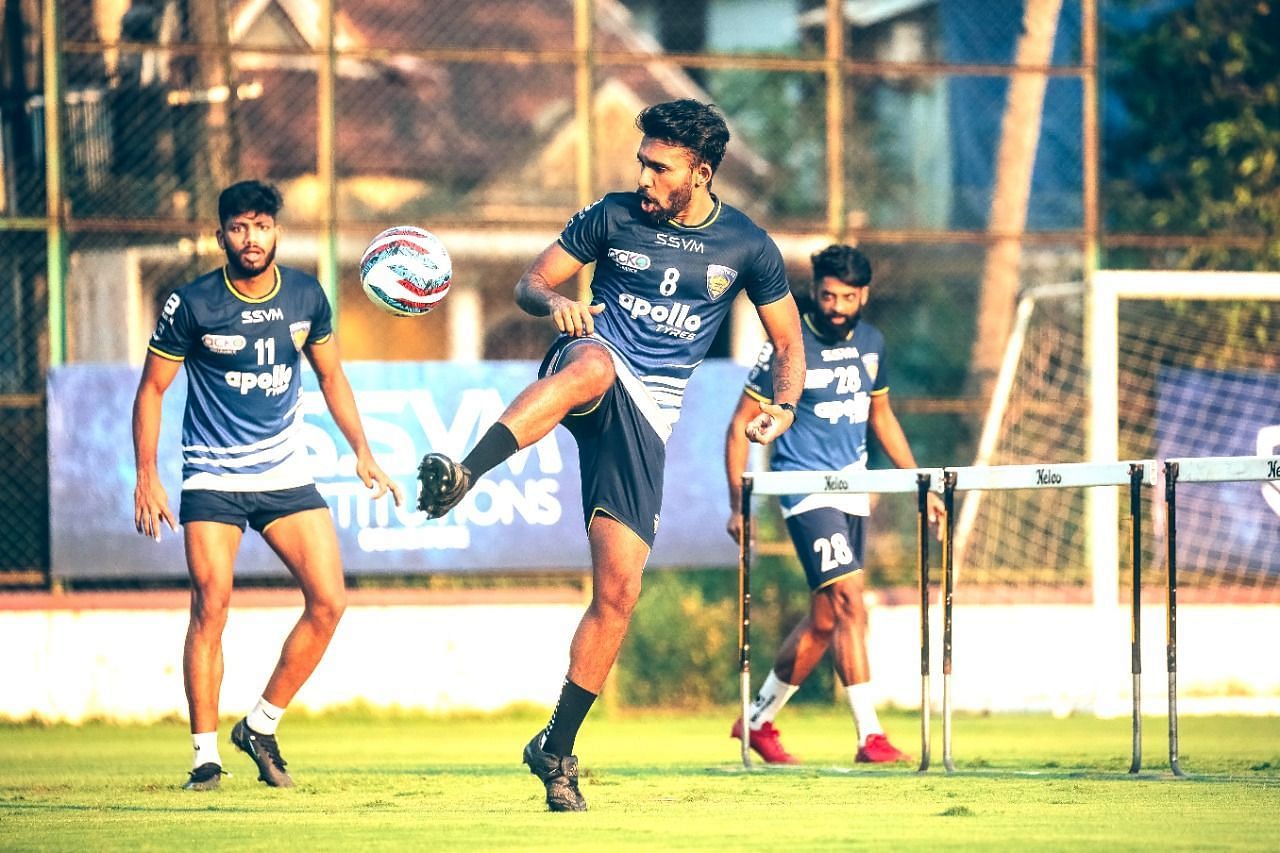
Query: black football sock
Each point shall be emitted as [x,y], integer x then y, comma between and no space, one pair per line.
[495,447]
[567,718]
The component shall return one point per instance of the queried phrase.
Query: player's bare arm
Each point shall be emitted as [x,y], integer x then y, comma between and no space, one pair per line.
[736,450]
[537,292]
[150,502]
[341,401]
[888,429]
[781,322]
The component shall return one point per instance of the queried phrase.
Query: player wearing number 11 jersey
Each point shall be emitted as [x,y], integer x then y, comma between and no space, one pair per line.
[241,331]
[846,390]
[669,258]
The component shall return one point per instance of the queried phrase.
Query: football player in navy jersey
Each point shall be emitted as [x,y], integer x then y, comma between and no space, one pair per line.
[241,332]
[670,257]
[846,390]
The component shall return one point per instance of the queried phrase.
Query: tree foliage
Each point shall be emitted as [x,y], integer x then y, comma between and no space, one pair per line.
[1201,94]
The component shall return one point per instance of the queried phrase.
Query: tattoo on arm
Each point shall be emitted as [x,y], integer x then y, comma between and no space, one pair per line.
[785,374]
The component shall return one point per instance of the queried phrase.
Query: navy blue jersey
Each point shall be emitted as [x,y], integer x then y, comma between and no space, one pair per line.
[830,430]
[241,430]
[666,289]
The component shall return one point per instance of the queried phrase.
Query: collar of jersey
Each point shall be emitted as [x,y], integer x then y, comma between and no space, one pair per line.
[808,321]
[226,279]
[706,223]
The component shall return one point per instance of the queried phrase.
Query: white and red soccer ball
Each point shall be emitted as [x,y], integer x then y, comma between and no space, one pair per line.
[406,271]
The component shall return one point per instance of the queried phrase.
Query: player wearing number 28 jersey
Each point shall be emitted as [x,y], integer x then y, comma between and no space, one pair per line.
[846,391]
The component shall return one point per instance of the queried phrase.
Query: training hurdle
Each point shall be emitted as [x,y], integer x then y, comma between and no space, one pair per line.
[1135,474]
[1206,469]
[887,481]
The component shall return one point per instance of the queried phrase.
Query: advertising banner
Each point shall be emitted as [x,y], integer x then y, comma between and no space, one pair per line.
[1223,526]
[525,515]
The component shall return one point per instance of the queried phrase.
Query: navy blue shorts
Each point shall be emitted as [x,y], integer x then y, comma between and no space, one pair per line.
[257,509]
[830,544]
[620,456]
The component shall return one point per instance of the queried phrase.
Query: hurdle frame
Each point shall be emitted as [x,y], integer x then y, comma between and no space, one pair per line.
[1204,469]
[1134,473]
[880,481]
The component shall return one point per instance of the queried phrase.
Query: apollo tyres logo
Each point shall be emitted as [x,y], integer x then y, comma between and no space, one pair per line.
[673,318]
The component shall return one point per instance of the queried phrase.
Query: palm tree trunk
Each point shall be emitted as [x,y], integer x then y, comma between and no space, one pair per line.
[1019,136]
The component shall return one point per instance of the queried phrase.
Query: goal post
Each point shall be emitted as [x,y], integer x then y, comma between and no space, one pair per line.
[1107,289]
[1115,370]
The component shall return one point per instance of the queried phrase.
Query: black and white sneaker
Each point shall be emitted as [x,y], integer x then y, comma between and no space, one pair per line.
[265,752]
[442,484]
[206,777]
[559,773]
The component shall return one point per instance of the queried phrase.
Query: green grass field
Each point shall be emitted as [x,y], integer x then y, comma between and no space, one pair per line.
[382,780]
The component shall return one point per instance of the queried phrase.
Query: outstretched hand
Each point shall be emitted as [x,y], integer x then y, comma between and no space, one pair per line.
[373,477]
[772,422]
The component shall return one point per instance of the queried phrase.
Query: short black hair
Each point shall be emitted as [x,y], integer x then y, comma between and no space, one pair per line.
[841,262]
[248,197]
[690,124]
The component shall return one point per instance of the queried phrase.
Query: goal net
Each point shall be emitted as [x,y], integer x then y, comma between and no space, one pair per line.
[1141,365]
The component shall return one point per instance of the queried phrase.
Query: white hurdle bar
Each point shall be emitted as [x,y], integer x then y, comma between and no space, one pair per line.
[1203,469]
[886,481]
[1134,474]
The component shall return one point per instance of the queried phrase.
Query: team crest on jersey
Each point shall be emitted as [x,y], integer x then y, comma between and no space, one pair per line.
[719,279]
[299,332]
[871,361]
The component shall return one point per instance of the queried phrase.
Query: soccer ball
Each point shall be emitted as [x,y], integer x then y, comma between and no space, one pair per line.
[406,271]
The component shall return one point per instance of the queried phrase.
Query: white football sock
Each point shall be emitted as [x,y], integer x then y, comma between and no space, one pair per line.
[204,749]
[862,703]
[264,718]
[773,694]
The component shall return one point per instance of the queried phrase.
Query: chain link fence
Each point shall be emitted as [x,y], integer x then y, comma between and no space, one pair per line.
[490,122]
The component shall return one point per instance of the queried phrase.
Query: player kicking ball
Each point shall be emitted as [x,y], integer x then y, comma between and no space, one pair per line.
[845,391]
[241,332]
[670,257]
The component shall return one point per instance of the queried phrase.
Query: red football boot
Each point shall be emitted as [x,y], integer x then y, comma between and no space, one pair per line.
[878,750]
[765,741]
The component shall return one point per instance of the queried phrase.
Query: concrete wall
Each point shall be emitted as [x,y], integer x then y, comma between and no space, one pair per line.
[122,660]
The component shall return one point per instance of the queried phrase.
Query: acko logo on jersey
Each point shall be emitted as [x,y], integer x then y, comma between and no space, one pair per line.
[673,319]
[223,344]
[719,279]
[630,260]
[271,383]
[261,315]
[675,241]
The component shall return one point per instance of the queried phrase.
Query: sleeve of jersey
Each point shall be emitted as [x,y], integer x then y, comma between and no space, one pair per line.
[768,281]
[760,380]
[586,233]
[321,319]
[880,383]
[174,330]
